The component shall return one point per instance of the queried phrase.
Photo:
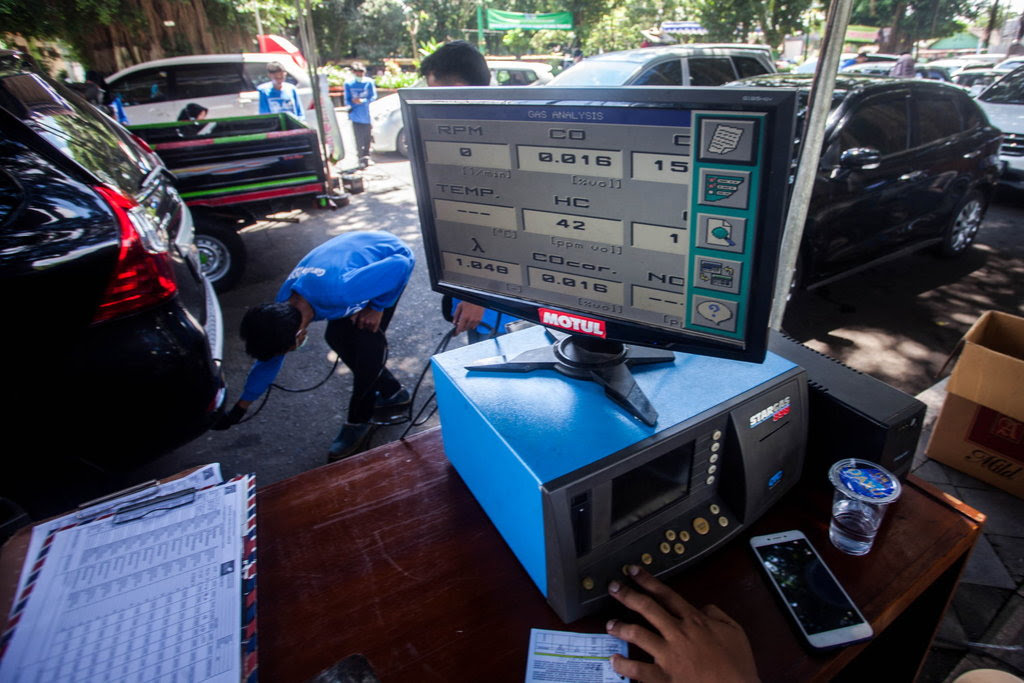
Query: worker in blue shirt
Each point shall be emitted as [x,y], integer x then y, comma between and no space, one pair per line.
[353,281]
[277,95]
[359,92]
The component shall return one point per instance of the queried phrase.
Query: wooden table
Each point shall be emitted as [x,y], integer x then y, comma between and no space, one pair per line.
[387,554]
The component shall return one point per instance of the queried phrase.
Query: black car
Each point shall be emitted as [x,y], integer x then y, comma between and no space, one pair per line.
[112,338]
[905,164]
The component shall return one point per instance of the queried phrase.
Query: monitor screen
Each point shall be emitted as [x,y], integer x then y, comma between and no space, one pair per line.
[649,216]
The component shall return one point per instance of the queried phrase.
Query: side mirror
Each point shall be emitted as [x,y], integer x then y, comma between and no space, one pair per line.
[860,159]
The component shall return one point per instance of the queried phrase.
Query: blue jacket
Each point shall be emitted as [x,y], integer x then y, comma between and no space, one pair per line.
[274,101]
[367,91]
[340,277]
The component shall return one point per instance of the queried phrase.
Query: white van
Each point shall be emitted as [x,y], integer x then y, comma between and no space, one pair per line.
[157,91]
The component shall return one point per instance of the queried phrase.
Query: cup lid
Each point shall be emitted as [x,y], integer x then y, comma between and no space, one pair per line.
[865,480]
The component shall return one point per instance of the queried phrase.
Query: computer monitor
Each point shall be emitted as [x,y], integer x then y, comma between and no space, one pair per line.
[644,216]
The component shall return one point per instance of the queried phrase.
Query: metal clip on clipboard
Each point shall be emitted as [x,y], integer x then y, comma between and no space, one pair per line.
[134,511]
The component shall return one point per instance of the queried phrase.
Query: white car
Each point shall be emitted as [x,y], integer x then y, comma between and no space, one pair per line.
[157,91]
[1003,103]
[386,113]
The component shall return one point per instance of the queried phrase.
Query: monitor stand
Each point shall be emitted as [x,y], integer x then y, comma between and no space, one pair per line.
[597,360]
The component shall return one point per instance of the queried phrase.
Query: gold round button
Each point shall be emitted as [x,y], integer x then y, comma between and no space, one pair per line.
[701,526]
[625,570]
[670,535]
[715,447]
[664,547]
[714,457]
[646,558]
[711,480]
[588,584]
[717,435]
[722,521]
[679,548]
[684,536]
[714,509]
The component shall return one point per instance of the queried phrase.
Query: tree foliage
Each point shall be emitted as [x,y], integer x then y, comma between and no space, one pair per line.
[736,20]
[914,20]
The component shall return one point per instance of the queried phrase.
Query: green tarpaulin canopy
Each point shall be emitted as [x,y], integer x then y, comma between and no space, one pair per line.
[499,20]
[961,41]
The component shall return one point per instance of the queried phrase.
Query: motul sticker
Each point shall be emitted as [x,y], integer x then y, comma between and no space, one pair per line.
[572,323]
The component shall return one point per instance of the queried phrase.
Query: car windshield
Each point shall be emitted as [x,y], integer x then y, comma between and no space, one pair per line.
[1009,90]
[597,72]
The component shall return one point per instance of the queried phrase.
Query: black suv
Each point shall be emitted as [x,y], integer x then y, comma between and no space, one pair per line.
[112,338]
[906,163]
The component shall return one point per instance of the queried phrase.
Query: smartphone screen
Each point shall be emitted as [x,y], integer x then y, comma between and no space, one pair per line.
[817,602]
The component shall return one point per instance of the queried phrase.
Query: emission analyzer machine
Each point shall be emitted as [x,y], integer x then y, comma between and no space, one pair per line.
[641,227]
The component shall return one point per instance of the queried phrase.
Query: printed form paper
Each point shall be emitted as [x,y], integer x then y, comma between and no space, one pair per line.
[562,656]
[154,599]
[208,475]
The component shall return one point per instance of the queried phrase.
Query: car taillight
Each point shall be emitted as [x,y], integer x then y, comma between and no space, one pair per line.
[141,143]
[144,275]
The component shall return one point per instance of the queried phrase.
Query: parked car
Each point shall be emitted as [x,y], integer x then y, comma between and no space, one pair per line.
[692,64]
[1008,65]
[811,65]
[113,337]
[976,80]
[935,73]
[906,164]
[1003,103]
[386,113]
[157,91]
[519,73]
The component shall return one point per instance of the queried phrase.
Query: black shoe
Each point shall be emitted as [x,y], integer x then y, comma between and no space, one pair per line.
[350,440]
[393,409]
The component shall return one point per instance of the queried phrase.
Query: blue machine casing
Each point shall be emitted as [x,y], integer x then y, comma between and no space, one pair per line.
[510,436]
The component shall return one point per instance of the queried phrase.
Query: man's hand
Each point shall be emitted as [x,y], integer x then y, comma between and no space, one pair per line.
[467,316]
[689,644]
[368,319]
[224,421]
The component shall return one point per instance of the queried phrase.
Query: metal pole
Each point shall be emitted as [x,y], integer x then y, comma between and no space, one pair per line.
[305,17]
[818,106]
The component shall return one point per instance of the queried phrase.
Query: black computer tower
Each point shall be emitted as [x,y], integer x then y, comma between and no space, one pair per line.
[852,415]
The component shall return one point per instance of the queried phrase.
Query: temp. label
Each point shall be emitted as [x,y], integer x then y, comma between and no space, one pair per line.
[468,154]
[607,291]
[568,225]
[661,168]
[475,214]
[661,238]
[595,162]
[490,269]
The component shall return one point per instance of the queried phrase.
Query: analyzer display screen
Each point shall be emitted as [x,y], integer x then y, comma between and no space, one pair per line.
[650,217]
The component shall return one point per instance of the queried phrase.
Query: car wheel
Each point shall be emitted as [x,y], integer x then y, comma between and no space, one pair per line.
[402,144]
[960,234]
[221,254]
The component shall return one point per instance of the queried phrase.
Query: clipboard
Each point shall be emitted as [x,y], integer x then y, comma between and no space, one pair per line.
[125,509]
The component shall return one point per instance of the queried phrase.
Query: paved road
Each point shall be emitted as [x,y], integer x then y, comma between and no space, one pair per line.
[896,322]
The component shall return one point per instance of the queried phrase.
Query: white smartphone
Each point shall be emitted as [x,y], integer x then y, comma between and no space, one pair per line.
[824,613]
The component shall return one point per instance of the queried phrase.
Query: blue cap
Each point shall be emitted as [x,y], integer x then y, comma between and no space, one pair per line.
[865,481]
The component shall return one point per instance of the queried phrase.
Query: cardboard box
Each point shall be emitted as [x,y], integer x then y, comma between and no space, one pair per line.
[980,429]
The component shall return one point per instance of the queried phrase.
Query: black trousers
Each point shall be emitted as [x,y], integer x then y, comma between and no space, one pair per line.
[364,135]
[364,353]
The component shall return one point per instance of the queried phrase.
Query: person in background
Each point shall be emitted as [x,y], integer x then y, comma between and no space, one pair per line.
[904,67]
[454,64]
[192,112]
[278,95]
[353,281]
[359,92]
[859,59]
[686,643]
